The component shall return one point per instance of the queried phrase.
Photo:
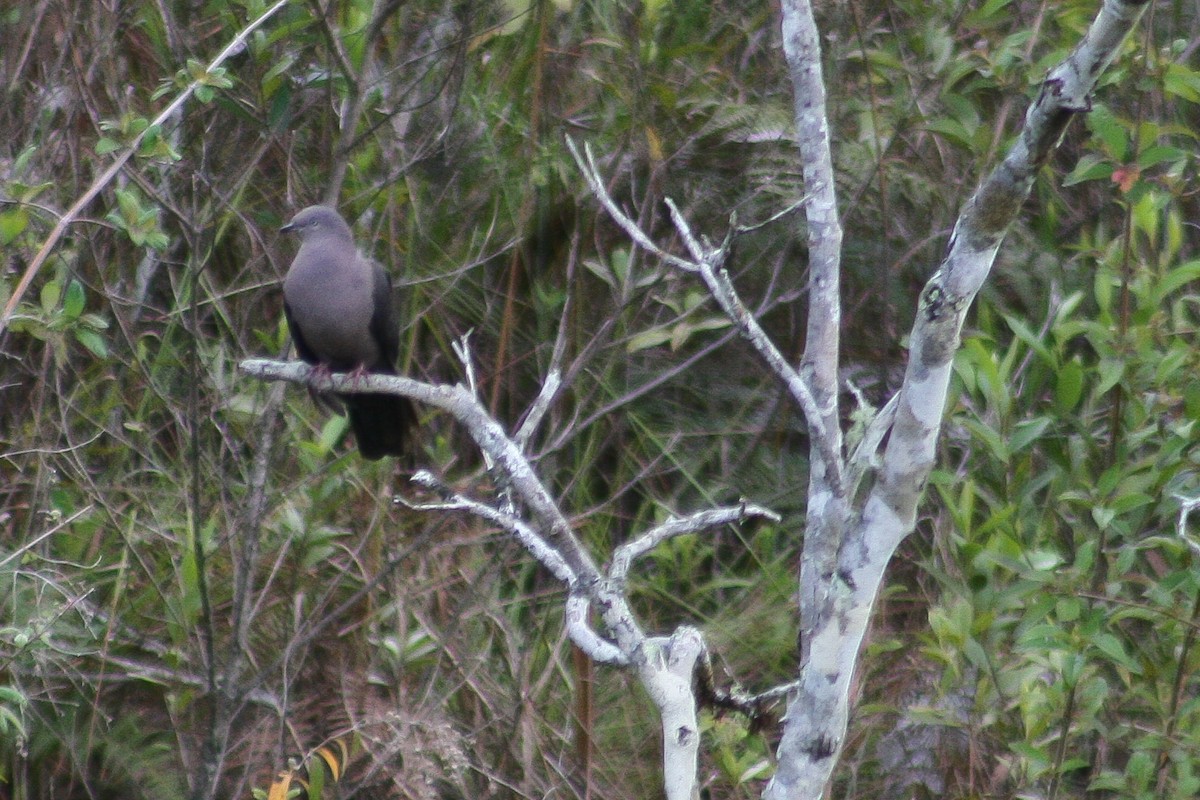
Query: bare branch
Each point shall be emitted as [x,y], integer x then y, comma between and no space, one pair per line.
[62,523]
[828,504]
[866,453]
[578,628]
[664,665]
[710,264]
[666,673]
[626,554]
[1186,506]
[818,710]
[529,539]
[460,403]
[462,349]
[597,648]
[541,404]
[802,48]
[591,174]
[699,252]
[778,215]
[554,372]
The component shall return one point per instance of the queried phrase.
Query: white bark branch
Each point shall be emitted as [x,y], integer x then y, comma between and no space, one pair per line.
[459,402]
[663,664]
[666,672]
[628,552]
[828,504]
[709,264]
[538,409]
[585,638]
[542,552]
[591,174]
[815,724]
[1186,506]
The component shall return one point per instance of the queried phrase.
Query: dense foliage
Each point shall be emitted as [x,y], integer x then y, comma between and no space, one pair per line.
[201,585]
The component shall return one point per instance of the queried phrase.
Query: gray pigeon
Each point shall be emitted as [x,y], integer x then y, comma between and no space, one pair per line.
[340,313]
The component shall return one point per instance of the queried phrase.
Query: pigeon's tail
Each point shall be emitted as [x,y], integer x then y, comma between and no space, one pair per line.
[382,423]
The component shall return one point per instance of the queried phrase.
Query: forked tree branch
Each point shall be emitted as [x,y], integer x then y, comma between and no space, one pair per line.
[709,263]
[846,550]
[665,665]
[818,710]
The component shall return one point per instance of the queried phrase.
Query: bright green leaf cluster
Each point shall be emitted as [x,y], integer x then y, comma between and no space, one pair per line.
[138,219]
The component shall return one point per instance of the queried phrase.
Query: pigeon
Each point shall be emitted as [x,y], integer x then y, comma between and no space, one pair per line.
[340,313]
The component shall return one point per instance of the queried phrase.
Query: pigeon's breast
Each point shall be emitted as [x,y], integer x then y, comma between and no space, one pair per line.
[330,296]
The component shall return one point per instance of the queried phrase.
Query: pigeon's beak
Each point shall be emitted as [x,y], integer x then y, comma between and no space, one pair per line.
[288,228]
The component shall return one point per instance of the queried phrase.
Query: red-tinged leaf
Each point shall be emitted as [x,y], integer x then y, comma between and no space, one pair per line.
[1125,177]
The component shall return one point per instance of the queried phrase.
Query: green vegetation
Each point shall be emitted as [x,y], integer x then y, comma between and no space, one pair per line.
[195,569]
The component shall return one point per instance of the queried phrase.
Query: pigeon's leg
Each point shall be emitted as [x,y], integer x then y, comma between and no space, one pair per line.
[319,372]
[358,375]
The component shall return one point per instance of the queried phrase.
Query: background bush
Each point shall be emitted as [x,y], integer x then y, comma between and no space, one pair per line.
[196,565]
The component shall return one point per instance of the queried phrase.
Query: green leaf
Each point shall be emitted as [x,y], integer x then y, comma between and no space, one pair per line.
[332,432]
[73,304]
[1027,432]
[12,224]
[1111,372]
[952,130]
[1043,560]
[1103,285]
[218,78]
[1090,167]
[51,292]
[1182,81]
[189,577]
[1111,133]
[1175,279]
[165,87]
[647,339]
[1067,609]
[1102,516]
[990,437]
[601,271]
[975,653]
[1068,388]
[106,145]
[1073,665]
[1191,400]
[1157,154]
[1109,780]
[277,75]
[92,341]
[989,10]
[316,779]
[1140,770]
[1035,341]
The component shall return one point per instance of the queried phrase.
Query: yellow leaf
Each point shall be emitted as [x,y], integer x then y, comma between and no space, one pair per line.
[279,789]
[341,743]
[335,767]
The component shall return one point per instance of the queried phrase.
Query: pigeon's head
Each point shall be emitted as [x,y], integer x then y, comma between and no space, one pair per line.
[318,221]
